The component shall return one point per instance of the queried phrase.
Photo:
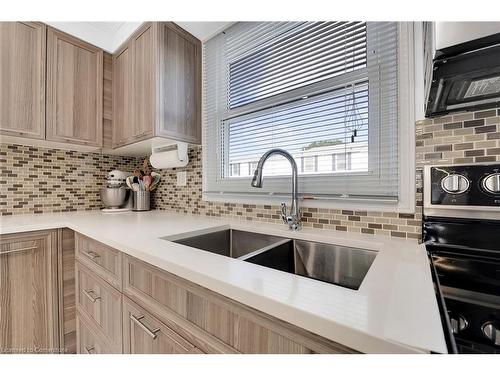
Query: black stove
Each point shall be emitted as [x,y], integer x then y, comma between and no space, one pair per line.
[461,231]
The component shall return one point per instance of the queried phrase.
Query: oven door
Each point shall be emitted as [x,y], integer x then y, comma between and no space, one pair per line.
[443,311]
[458,268]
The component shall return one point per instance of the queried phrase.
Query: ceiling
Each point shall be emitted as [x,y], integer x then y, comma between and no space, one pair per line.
[204,30]
[110,35]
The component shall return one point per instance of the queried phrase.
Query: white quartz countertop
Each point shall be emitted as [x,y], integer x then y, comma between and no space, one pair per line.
[393,311]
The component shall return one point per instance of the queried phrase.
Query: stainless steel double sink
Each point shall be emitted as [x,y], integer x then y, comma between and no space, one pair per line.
[340,265]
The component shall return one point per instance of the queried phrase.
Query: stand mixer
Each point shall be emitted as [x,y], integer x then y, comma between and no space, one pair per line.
[116,196]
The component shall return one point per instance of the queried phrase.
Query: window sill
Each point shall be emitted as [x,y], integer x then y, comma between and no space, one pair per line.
[356,204]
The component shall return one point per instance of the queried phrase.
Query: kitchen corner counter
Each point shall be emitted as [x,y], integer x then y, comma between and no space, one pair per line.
[394,310]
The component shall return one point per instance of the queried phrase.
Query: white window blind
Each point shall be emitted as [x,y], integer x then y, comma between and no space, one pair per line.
[304,54]
[327,92]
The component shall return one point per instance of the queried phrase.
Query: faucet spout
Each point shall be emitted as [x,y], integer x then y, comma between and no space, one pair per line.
[291,218]
[257,178]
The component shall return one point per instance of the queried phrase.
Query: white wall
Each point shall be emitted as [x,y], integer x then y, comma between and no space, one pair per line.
[451,33]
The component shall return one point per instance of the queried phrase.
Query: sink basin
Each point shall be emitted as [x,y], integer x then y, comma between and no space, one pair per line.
[334,264]
[232,243]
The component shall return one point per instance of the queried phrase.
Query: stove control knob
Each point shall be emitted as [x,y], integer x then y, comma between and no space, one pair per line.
[455,183]
[458,323]
[491,183]
[492,332]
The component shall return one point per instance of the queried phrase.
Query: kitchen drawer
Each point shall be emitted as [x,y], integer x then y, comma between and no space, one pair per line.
[100,303]
[168,301]
[89,341]
[207,318]
[144,334]
[103,260]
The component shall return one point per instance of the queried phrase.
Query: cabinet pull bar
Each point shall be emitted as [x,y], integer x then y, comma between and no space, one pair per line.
[92,255]
[89,293]
[89,350]
[137,320]
[19,250]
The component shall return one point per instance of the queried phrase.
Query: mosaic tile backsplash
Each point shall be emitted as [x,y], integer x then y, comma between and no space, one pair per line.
[459,139]
[188,200]
[38,180]
[454,139]
[44,180]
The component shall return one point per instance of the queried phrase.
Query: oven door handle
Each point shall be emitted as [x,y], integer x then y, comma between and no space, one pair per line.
[443,311]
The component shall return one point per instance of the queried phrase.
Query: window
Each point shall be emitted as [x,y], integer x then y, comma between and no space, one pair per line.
[309,164]
[327,92]
[308,128]
[235,169]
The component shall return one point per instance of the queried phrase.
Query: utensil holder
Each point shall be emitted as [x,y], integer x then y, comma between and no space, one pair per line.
[141,201]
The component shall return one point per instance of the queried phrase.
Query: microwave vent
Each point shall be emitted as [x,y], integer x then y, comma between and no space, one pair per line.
[482,87]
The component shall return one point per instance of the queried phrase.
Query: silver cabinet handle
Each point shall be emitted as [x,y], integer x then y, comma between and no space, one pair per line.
[89,294]
[19,250]
[89,350]
[137,320]
[92,255]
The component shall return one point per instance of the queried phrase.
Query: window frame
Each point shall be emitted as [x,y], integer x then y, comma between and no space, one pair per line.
[409,65]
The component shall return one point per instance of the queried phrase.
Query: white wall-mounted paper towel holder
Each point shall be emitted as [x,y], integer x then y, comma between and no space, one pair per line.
[169,156]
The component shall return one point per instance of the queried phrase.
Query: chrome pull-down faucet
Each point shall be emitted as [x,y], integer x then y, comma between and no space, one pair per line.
[291,218]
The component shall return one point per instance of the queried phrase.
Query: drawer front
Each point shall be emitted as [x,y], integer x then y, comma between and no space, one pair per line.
[88,340]
[144,334]
[103,260]
[170,303]
[100,302]
[224,325]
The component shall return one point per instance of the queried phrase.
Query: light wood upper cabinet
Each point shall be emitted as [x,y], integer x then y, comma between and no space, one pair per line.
[180,84]
[123,121]
[74,90]
[158,71]
[29,293]
[143,46]
[22,79]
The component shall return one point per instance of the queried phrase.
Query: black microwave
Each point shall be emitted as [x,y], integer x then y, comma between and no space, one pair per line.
[467,81]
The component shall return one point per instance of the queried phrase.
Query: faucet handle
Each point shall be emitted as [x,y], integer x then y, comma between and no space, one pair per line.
[283,212]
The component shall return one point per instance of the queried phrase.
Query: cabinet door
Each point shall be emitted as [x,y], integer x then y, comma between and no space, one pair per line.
[180,84]
[28,293]
[22,79]
[144,334]
[144,85]
[123,120]
[74,90]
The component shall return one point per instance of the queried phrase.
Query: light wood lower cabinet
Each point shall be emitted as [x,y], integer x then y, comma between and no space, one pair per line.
[100,303]
[144,334]
[103,260]
[162,313]
[29,320]
[157,312]
[66,276]
[229,325]
[89,340]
